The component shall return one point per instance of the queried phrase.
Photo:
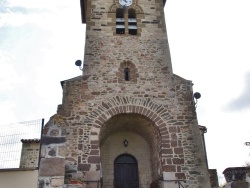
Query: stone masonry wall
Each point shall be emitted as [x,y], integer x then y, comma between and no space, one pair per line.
[174,118]
[53,153]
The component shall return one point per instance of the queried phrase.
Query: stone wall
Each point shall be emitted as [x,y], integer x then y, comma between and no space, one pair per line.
[179,149]
[53,153]
[213,178]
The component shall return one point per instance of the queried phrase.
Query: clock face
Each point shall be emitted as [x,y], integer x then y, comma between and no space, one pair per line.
[125,2]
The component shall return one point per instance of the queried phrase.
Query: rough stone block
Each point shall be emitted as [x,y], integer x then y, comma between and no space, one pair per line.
[94,159]
[94,152]
[54,132]
[169,168]
[92,176]
[239,184]
[84,167]
[63,151]
[52,167]
[57,182]
[178,150]
[167,151]
[178,161]
[69,168]
[180,176]
[52,152]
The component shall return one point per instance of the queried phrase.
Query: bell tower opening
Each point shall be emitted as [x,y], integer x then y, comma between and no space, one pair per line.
[120,22]
[132,25]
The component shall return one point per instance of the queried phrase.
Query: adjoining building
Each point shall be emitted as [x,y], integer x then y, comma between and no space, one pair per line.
[26,176]
[237,177]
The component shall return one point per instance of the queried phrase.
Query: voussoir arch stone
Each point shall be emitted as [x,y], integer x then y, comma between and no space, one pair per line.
[124,105]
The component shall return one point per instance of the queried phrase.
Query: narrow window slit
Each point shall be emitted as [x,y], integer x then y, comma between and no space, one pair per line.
[127,74]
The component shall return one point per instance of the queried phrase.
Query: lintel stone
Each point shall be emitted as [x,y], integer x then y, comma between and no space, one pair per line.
[53,140]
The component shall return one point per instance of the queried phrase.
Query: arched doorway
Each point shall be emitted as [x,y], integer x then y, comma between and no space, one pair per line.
[126,172]
[143,143]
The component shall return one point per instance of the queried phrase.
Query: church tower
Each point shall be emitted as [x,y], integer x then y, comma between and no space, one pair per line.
[127,121]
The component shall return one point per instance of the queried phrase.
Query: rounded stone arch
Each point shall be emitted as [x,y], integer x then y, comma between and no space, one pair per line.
[116,5]
[131,122]
[138,9]
[126,124]
[128,105]
[127,71]
[144,107]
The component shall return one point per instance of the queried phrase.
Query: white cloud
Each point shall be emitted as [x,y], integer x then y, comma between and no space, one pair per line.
[45,4]
[36,47]
[9,76]
[46,14]
[8,111]
[242,102]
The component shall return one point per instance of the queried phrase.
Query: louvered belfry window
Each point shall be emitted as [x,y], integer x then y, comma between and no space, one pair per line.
[120,22]
[132,25]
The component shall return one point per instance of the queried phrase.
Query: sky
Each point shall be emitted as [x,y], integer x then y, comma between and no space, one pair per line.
[40,40]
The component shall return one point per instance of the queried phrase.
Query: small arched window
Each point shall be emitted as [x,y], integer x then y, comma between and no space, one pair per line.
[120,23]
[126,74]
[132,25]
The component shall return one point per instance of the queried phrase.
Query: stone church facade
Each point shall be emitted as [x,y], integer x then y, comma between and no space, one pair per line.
[127,121]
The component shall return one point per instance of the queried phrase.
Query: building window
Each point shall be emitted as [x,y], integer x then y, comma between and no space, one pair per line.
[132,25]
[120,23]
[126,74]
[126,20]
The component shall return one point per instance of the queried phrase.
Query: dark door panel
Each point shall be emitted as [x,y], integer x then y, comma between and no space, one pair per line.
[126,172]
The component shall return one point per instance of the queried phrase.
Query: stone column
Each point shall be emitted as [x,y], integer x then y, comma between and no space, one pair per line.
[52,159]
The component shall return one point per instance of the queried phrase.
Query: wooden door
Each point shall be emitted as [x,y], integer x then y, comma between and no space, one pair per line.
[126,172]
